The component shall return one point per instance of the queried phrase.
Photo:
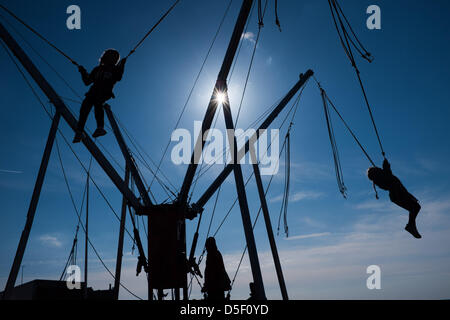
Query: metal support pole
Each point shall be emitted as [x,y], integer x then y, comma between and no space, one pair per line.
[227,170]
[149,278]
[67,115]
[212,107]
[273,245]
[86,240]
[183,237]
[32,207]
[123,217]
[129,160]
[137,179]
[245,212]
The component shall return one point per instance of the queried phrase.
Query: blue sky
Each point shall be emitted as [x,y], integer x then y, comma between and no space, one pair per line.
[332,240]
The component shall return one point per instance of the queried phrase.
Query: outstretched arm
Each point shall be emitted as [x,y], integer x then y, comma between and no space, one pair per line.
[387,166]
[85,76]
[120,68]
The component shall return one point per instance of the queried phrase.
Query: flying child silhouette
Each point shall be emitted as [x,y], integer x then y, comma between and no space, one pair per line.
[103,78]
[398,194]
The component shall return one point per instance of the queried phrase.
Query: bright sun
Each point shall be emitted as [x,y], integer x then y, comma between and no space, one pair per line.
[220,97]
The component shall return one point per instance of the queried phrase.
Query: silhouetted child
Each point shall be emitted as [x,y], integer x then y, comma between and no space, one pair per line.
[103,78]
[216,277]
[398,194]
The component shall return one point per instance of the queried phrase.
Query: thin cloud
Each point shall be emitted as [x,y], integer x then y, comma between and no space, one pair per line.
[50,241]
[10,171]
[298,196]
[337,269]
[250,36]
[306,236]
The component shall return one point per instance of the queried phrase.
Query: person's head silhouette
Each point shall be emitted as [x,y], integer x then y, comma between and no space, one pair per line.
[373,173]
[110,57]
[210,244]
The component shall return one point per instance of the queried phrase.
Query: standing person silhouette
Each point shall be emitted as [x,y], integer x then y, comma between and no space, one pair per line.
[398,194]
[103,78]
[216,277]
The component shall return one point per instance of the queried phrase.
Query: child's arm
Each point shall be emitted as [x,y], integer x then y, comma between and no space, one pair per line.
[387,166]
[120,68]
[85,76]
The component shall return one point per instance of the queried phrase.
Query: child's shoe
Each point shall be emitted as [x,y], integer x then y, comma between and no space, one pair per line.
[78,136]
[99,132]
[413,230]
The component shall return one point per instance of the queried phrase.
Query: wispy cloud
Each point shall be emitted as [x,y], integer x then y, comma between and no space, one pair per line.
[299,195]
[10,171]
[249,36]
[374,205]
[337,269]
[50,241]
[306,236]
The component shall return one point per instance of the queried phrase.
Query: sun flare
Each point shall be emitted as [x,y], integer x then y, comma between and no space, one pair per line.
[221,97]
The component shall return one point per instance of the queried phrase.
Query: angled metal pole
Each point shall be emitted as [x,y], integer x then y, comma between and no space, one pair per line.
[67,115]
[273,245]
[32,208]
[128,158]
[136,177]
[229,168]
[123,216]
[212,107]
[243,203]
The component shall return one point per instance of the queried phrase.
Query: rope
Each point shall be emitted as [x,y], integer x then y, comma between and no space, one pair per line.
[72,256]
[197,177]
[130,137]
[253,227]
[38,34]
[66,84]
[285,201]
[240,45]
[348,50]
[140,151]
[153,28]
[295,105]
[287,142]
[76,211]
[337,163]
[193,87]
[345,123]
[277,21]
[366,54]
[260,25]
[44,60]
[64,138]
[252,125]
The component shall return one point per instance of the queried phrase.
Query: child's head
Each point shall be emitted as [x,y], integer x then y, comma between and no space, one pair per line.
[110,57]
[373,173]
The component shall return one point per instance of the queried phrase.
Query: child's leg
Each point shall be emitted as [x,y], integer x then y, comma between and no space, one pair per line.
[99,115]
[86,107]
[410,203]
